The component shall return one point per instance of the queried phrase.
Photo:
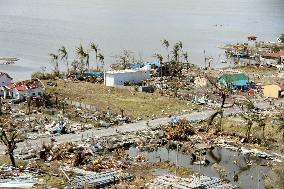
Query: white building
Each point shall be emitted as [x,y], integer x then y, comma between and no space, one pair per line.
[29,88]
[5,79]
[120,77]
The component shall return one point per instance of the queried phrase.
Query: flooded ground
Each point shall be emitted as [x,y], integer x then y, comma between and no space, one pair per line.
[240,170]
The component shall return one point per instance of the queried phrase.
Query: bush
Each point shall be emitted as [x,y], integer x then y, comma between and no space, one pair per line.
[43,76]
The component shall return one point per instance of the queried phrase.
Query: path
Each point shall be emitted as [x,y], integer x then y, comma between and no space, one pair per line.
[141,125]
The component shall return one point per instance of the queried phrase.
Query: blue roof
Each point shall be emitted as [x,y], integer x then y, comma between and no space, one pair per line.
[94,74]
[241,83]
[135,65]
[155,62]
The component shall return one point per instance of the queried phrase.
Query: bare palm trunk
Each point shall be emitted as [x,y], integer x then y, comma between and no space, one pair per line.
[12,159]
[67,64]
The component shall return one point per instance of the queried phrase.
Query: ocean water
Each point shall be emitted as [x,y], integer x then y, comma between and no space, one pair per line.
[30,29]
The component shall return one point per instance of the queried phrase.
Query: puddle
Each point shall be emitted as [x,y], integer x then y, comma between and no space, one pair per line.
[231,161]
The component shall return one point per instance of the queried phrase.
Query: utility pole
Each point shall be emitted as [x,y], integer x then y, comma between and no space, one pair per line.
[205,58]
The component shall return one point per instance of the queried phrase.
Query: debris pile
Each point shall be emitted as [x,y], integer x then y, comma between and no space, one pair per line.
[16,178]
[181,131]
[170,181]
[100,180]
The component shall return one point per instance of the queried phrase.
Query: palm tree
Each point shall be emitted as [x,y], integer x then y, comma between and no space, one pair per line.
[159,57]
[95,48]
[54,59]
[180,45]
[64,56]
[101,59]
[185,56]
[166,44]
[82,55]
[175,51]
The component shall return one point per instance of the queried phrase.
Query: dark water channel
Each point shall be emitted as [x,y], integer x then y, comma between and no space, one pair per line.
[249,168]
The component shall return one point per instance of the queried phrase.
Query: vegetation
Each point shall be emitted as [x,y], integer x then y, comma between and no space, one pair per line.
[134,104]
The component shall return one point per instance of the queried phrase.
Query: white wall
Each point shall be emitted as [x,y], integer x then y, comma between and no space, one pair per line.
[109,80]
[4,80]
[120,78]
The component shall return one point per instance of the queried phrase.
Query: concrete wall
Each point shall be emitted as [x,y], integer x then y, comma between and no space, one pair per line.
[271,91]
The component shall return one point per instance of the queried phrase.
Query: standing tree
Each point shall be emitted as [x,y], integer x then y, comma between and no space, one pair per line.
[224,92]
[101,60]
[10,136]
[166,44]
[95,48]
[54,59]
[64,56]
[159,57]
[125,58]
[81,55]
[262,124]
[185,56]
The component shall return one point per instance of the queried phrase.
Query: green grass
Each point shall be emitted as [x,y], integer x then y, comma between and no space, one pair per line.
[134,104]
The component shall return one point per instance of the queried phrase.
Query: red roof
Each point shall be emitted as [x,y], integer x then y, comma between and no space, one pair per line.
[278,54]
[281,87]
[21,88]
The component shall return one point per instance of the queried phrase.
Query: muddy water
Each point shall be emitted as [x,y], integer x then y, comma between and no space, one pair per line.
[232,162]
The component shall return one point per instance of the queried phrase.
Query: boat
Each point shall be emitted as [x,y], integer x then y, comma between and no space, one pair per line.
[8,60]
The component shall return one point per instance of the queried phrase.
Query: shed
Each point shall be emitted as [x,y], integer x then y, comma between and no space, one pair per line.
[273,91]
[234,80]
[120,77]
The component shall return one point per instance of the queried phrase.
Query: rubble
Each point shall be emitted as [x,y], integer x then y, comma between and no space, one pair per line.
[180,131]
[16,178]
[195,182]
[100,180]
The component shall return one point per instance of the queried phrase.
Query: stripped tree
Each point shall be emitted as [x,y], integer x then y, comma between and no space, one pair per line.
[224,93]
[166,44]
[10,136]
[64,57]
[54,59]
[95,47]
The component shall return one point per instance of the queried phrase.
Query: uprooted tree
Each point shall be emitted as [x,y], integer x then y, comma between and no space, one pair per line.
[10,136]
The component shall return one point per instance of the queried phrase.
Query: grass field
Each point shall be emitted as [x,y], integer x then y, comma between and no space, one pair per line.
[134,104]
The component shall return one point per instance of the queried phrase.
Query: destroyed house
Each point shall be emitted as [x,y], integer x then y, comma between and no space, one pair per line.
[278,56]
[234,81]
[28,88]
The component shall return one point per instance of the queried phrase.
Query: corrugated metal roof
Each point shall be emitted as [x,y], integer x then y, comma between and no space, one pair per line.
[230,78]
